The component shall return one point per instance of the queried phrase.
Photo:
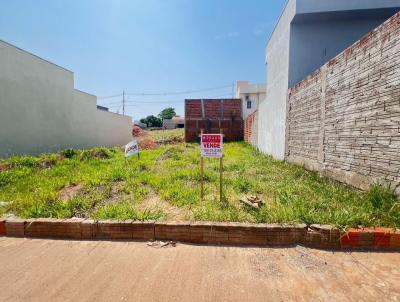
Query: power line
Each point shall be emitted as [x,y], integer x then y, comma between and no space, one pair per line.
[108,97]
[128,101]
[164,93]
[181,92]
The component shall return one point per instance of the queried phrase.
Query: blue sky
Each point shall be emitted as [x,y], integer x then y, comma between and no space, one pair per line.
[147,46]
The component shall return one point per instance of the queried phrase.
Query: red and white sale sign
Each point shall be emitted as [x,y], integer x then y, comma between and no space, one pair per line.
[211,145]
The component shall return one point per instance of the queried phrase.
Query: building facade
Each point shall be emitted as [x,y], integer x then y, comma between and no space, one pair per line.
[177,121]
[308,34]
[41,111]
[251,95]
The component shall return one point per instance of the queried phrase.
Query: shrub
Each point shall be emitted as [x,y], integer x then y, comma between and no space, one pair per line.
[382,197]
[24,161]
[96,153]
[68,153]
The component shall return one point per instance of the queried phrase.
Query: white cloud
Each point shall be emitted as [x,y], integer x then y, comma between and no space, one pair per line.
[258,32]
[229,35]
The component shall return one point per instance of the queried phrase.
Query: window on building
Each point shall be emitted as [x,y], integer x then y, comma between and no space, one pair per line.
[248,102]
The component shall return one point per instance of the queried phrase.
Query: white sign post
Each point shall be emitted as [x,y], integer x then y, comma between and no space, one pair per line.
[132,148]
[211,146]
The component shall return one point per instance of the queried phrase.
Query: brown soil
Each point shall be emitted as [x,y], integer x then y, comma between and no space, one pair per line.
[147,143]
[70,191]
[5,167]
[173,213]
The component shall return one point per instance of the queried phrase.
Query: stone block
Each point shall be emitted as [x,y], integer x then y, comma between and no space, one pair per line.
[177,231]
[15,227]
[143,230]
[54,228]
[201,232]
[247,234]
[89,229]
[113,229]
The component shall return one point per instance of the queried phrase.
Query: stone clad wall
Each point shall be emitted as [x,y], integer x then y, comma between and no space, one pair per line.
[344,119]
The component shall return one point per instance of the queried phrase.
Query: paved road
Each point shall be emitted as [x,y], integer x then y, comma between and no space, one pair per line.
[57,270]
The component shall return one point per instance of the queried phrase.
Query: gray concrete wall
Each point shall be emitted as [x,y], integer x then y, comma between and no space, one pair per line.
[313,44]
[272,110]
[315,6]
[40,111]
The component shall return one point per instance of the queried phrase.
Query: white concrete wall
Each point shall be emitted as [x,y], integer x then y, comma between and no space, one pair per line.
[40,111]
[255,92]
[272,110]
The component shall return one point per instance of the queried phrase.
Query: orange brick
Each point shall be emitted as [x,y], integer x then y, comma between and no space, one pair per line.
[350,238]
[382,239]
[395,240]
[2,227]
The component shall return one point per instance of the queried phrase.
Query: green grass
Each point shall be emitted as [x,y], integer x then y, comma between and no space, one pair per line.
[111,189]
[165,135]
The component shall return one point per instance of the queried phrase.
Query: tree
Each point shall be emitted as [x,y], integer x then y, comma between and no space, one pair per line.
[152,121]
[167,113]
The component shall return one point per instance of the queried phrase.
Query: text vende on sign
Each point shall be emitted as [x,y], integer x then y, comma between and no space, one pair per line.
[211,145]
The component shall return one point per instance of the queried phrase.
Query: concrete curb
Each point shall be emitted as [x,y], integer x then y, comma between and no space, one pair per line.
[244,234]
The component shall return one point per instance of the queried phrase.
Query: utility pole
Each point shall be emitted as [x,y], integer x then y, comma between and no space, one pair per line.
[123,102]
[233,89]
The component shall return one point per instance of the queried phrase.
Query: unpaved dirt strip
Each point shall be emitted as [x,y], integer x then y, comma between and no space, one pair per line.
[58,270]
[153,201]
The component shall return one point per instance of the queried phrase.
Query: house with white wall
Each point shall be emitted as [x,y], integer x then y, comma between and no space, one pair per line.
[251,95]
[41,111]
[308,34]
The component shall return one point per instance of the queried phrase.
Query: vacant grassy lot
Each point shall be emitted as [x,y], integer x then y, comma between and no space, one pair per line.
[164,185]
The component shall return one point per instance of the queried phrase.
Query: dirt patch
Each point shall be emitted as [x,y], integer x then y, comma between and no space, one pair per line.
[173,213]
[5,167]
[113,196]
[171,140]
[137,131]
[70,191]
[147,143]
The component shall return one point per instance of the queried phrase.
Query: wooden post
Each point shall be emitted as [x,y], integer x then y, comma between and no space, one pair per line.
[201,172]
[220,171]
[220,178]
